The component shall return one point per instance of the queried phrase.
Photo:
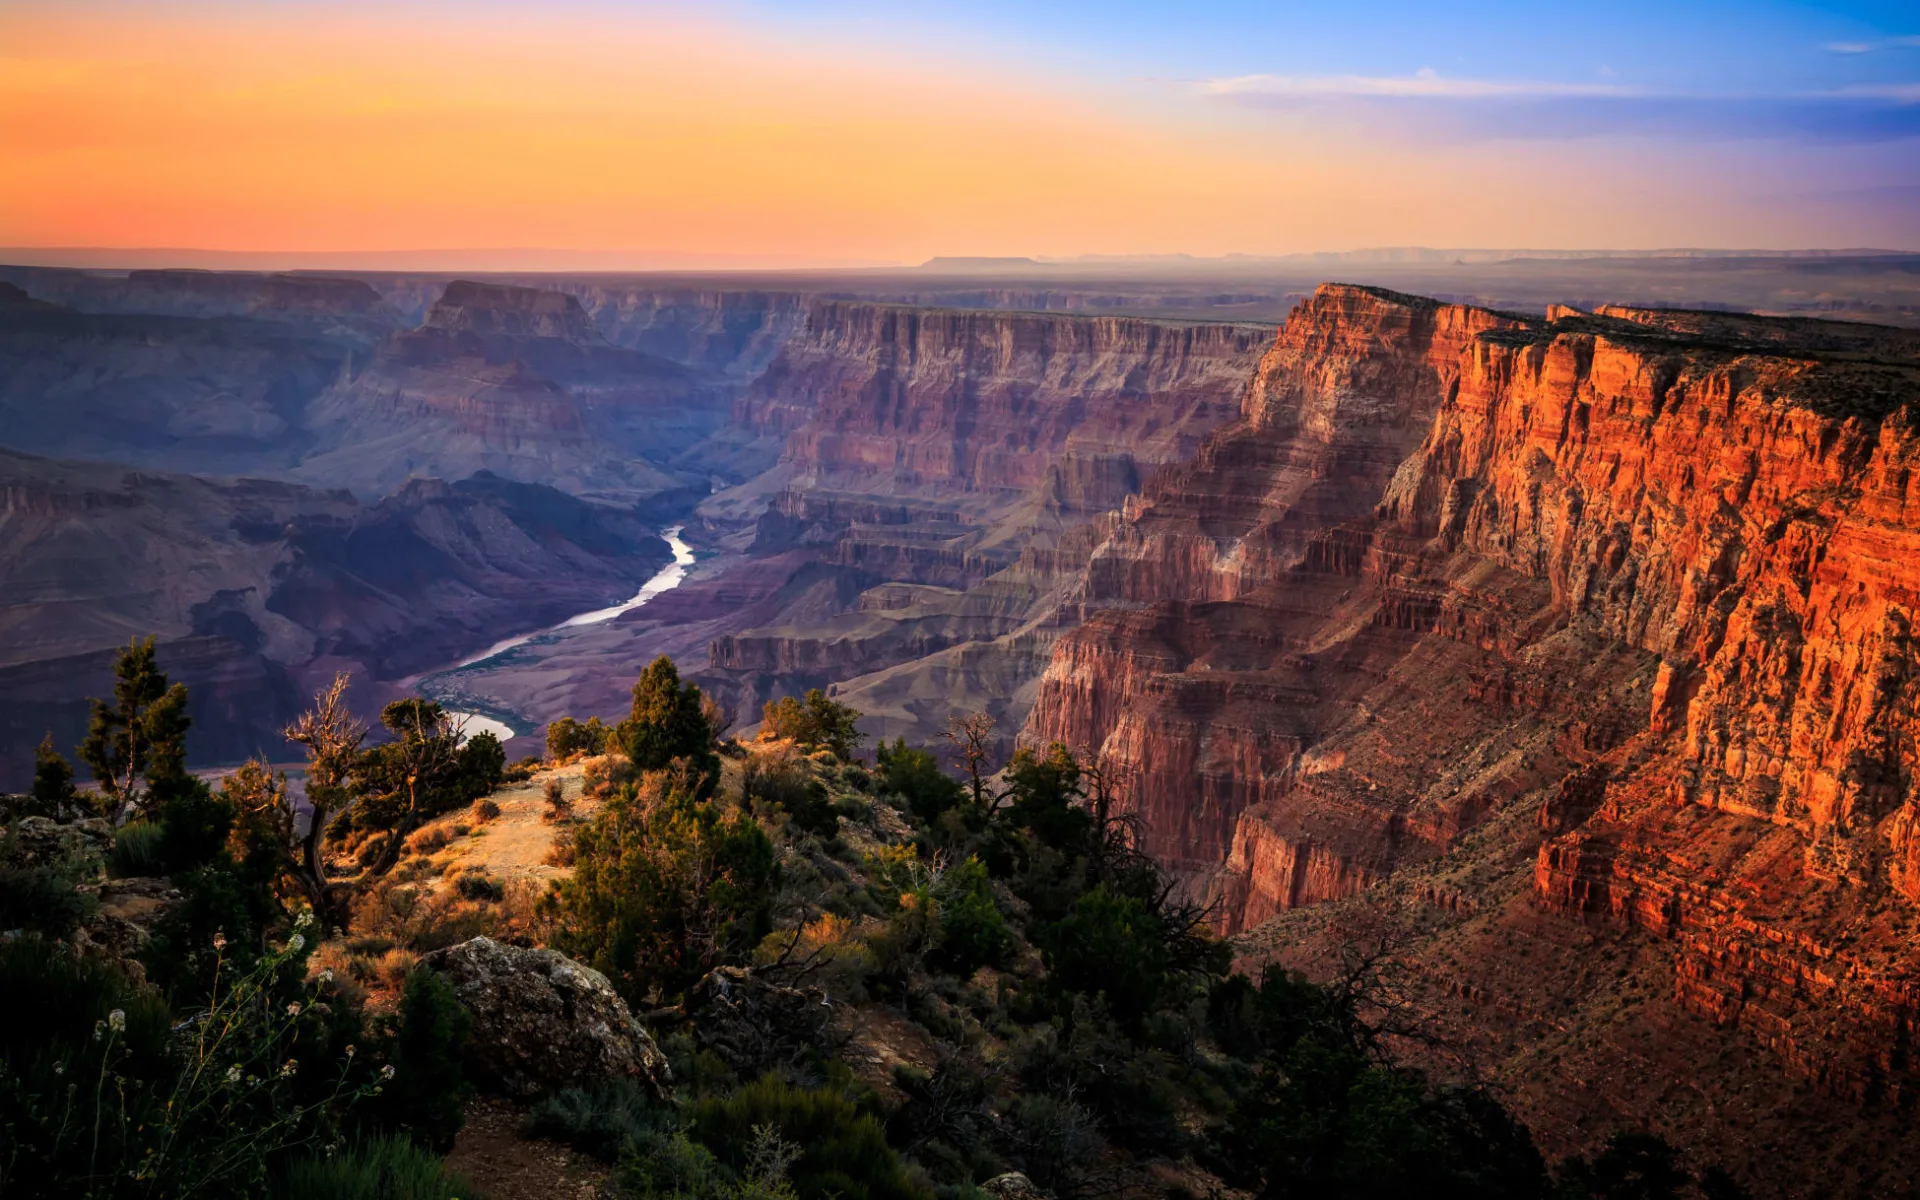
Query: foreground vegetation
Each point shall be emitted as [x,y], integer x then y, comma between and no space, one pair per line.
[875,980]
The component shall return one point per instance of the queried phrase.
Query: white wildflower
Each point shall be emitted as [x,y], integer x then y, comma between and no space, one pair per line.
[295,942]
[287,1070]
[233,1073]
[350,1051]
[117,1020]
[386,1072]
[219,941]
[304,920]
[293,1010]
[326,975]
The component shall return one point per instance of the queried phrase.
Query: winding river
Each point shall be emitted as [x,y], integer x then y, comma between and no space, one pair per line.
[665,580]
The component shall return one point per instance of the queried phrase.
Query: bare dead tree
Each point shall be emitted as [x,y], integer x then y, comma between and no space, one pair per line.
[972,738]
[331,736]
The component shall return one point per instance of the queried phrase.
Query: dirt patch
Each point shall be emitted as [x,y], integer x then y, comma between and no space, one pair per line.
[492,1154]
[514,846]
[879,1040]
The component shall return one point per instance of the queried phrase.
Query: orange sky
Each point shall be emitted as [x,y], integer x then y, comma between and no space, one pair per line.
[289,130]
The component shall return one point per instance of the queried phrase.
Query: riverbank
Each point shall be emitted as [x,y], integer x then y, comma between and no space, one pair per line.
[455,686]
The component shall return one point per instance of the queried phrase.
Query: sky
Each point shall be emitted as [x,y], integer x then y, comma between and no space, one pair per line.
[847,132]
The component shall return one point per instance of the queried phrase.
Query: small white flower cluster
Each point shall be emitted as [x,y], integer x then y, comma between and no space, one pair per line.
[116,1022]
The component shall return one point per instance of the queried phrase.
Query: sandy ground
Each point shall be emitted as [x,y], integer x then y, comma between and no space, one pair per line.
[513,846]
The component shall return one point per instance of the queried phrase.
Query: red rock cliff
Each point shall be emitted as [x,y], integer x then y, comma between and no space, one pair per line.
[1651,574]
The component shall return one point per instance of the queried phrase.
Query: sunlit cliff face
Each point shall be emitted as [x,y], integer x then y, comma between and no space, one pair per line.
[642,130]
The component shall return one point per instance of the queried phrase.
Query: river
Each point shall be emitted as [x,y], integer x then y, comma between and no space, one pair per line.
[665,580]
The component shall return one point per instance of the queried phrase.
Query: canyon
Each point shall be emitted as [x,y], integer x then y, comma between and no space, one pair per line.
[1562,650]
[257,591]
[1476,620]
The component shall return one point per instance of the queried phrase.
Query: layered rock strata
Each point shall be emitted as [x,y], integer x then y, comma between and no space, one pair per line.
[934,449]
[1645,577]
[519,382]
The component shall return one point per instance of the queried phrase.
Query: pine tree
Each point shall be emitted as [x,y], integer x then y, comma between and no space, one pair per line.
[53,792]
[140,740]
[667,722]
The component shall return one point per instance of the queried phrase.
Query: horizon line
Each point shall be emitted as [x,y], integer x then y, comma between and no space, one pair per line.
[447,259]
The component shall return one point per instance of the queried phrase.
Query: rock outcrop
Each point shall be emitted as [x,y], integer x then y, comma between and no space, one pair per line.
[1642,591]
[542,1022]
[1192,671]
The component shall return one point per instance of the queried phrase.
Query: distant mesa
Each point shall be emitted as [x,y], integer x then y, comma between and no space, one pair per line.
[946,262]
[502,309]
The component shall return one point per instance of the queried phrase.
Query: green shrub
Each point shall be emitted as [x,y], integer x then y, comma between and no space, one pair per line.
[1113,946]
[218,901]
[136,849]
[602,1120]
[664,886]
[668,722]
[972,933]
[43,900]
[428,1094]
[50,999]
[843,1152]
[815,722]
[915,776]
[388,1168]
[479,886]
[102,1093]
[194,824]
[567,737]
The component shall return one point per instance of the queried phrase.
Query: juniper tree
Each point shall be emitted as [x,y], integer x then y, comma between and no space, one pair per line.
[137,743]
[668,722]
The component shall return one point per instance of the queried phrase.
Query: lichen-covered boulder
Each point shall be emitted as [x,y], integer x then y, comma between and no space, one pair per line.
[1012,1186]
[44,842]
[541,1021]
[129,911]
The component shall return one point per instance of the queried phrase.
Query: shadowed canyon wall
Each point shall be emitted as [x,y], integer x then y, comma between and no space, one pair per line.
[952,452]
[257,590]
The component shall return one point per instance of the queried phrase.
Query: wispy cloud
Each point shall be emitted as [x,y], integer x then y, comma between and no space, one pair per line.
[1898,93]
[1893,43]
[1429,105]
[1425,83]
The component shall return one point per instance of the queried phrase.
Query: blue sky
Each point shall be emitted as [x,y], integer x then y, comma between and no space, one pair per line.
[1825,71]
